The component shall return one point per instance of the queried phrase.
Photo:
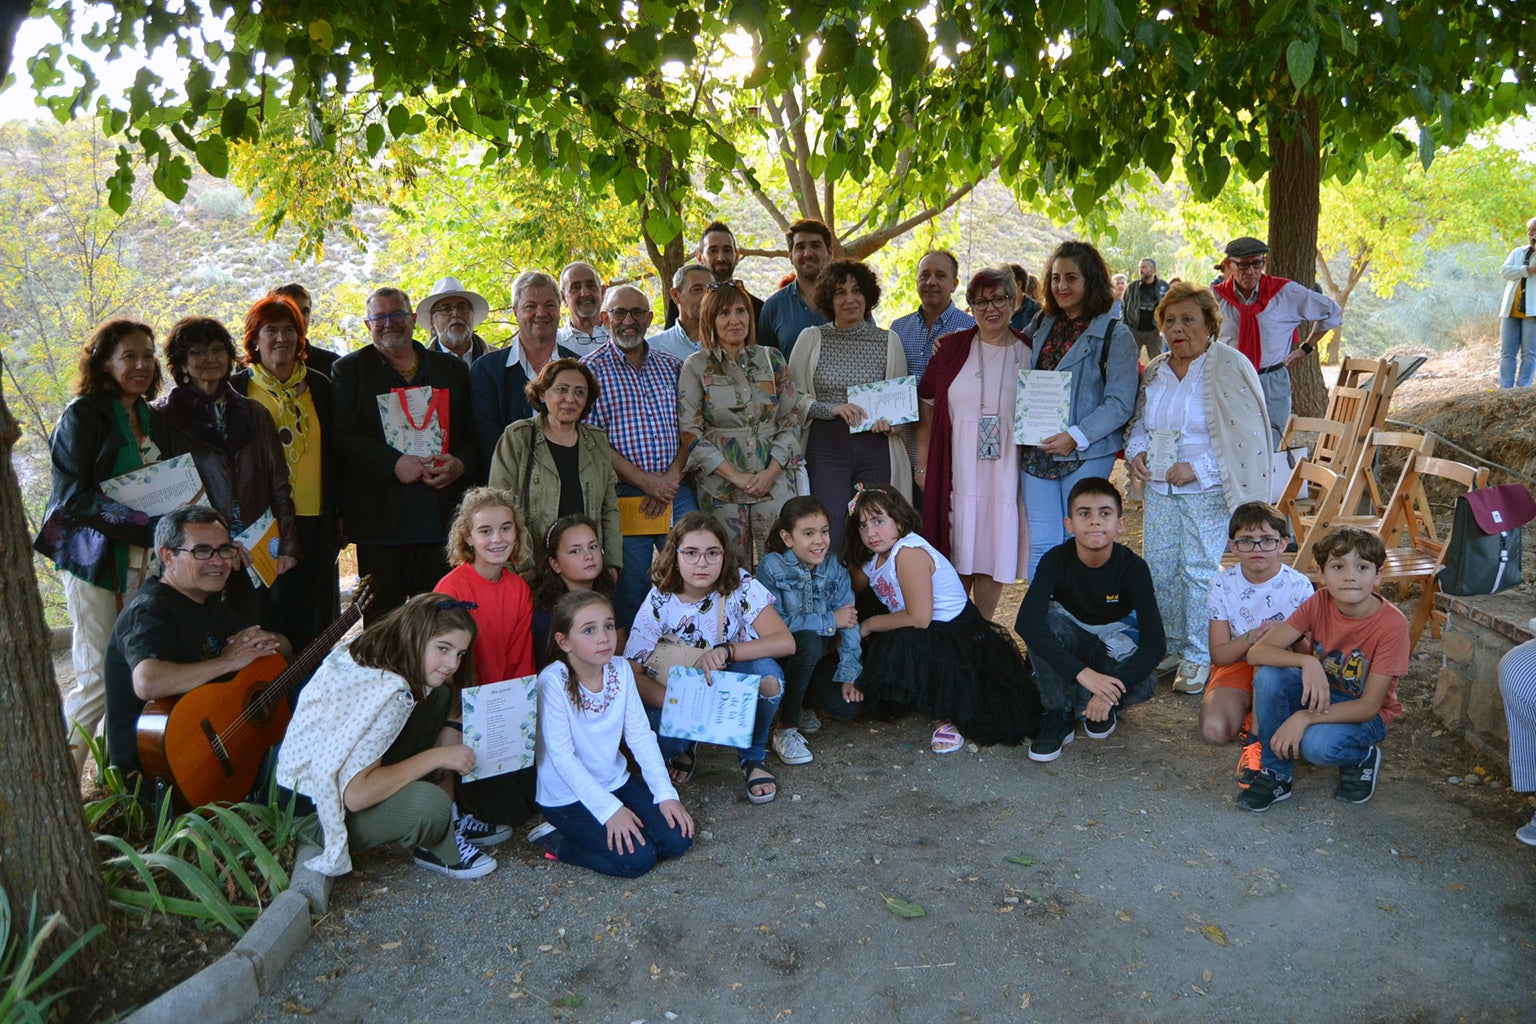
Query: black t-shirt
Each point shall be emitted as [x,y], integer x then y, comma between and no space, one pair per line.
[164,624]
[1096,596]
[568,463]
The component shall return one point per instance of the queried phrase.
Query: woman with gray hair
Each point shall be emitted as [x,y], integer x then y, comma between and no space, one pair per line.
[967,463]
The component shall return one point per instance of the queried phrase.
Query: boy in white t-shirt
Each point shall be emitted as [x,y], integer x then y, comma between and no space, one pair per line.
[1246,600]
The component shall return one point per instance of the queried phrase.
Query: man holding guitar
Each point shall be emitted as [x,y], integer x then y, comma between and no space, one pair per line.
[178,633]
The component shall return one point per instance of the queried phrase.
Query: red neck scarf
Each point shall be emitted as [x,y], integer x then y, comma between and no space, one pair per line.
[1248,341]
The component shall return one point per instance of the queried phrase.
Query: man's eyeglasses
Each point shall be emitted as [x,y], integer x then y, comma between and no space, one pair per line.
[452,308]
[715,286]
[628,314]
[205,552]
[1258,264]
[394,316]
[1258,544]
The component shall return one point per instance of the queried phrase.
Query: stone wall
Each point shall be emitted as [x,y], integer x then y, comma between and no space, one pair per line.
[1480,631]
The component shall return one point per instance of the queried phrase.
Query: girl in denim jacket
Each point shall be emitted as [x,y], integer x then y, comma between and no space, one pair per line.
[815,598]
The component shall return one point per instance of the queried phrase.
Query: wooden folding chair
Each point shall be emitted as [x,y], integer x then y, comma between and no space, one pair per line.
[1419,558]
[1365,499]
[1336,446]
[1362,393]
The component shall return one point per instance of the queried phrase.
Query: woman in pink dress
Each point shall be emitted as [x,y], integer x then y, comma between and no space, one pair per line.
[967,463]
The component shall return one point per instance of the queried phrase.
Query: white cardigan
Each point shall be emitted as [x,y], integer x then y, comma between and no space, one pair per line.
[1516,271]
[802,369]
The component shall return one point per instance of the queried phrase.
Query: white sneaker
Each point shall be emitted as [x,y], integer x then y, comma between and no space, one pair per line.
[1191,678]
[809,723]
[791,748]
[1168,664]
[1527,833]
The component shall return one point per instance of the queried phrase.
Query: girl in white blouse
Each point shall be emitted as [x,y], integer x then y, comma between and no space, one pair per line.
[604,818]
[933,651]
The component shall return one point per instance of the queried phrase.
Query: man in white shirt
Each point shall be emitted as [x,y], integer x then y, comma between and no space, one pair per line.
[689,286]
[1260,317]
[582,291]
[497,381]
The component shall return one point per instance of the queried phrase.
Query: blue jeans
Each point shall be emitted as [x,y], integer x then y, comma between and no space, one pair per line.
[634,580]
[762,722]
[1277,696]
[583,840]
[1045,506]
[1517,338]
[808,673]
[1276,385]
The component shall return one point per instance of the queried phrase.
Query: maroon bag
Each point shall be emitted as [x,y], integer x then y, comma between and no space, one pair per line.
[1485,542]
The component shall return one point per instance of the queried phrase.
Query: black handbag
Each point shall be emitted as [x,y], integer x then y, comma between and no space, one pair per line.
[1485,543]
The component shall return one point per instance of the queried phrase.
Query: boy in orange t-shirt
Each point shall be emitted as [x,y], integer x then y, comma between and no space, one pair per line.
[1331,706]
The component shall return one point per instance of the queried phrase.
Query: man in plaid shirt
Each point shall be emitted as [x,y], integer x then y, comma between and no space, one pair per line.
[637,407]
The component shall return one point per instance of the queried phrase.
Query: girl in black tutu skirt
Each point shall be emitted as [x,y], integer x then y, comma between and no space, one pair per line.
[934,651]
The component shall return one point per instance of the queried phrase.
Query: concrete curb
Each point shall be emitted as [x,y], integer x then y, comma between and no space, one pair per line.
[227,990]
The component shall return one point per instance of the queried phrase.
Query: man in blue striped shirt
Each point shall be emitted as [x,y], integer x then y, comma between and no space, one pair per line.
[938,272]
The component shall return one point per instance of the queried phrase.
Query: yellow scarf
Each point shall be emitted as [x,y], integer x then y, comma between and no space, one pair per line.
[292,420]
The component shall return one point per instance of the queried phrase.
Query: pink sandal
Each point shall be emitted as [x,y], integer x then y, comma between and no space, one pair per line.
[947,739]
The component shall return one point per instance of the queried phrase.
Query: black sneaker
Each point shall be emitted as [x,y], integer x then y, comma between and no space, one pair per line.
[1265,789]
[1357,784]
[1100,730]
[472,863]
[1056,731]
[482,833]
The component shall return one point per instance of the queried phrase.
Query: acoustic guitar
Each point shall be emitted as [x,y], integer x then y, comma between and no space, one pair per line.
[207,744]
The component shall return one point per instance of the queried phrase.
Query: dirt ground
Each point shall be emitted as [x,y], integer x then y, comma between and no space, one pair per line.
[1146,896]
[1143,895]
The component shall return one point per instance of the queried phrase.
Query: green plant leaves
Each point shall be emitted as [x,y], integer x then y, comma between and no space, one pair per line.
[1300,56]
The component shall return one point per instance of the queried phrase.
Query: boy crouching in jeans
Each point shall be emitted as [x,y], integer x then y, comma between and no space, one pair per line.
[1332,706]
[1246,601]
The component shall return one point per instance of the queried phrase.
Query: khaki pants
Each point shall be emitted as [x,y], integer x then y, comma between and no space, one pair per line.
[93,611]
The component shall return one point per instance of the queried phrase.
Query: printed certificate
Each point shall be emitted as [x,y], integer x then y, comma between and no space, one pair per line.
[720,709]
[1162,454]
[894,401]
[500,725]
[1042,405]
[158,488]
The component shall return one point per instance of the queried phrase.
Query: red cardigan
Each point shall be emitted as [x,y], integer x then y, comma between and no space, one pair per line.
[950,354]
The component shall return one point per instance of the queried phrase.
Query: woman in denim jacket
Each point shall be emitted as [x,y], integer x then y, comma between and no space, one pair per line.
[1075,334]
[815,599]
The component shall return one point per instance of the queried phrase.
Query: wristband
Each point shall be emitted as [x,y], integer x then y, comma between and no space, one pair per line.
[1307,347]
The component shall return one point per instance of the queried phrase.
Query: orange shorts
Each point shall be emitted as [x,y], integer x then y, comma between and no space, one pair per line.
[1236,676]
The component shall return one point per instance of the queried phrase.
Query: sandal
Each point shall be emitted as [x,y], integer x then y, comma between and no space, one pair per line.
[765,779]
[947,739]
[682,765]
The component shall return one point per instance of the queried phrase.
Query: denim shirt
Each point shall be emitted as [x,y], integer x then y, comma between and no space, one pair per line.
[806,601]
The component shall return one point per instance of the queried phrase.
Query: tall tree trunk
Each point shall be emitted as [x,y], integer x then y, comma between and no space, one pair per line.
[1295,203]
[45,847]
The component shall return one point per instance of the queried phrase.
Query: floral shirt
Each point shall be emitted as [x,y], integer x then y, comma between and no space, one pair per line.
[697,625]
[740,410]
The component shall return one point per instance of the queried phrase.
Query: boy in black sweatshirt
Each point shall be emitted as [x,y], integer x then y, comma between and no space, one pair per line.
[1091,622]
